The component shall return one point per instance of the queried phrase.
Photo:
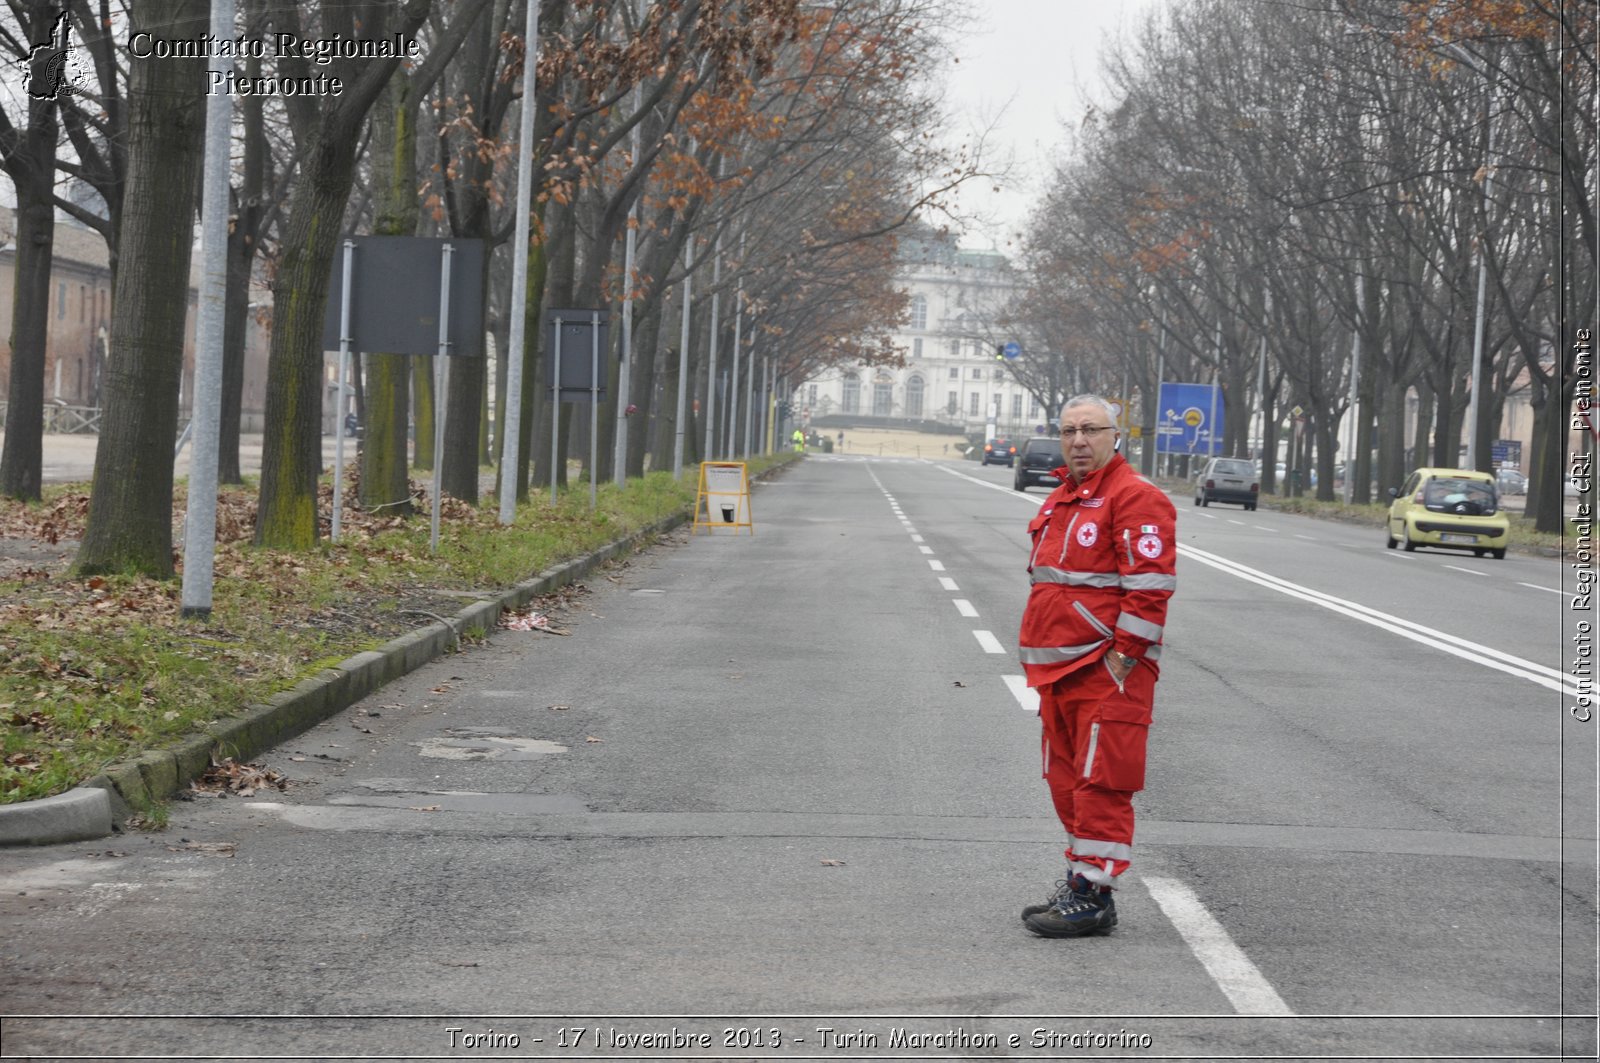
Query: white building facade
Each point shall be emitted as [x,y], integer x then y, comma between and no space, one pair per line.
[953,376]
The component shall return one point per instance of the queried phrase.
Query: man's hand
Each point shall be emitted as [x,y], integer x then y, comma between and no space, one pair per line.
[1121,665]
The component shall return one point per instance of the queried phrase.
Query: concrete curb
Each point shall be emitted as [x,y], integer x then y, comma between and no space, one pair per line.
[95,807]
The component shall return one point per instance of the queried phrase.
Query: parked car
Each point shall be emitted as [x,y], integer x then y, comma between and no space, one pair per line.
[1453,509]
[1227,480]
[1038,458]
[1511,481]
[999,451]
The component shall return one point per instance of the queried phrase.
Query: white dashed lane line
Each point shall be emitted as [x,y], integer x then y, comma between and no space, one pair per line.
[964,607]
[948,584]
[1536,587]
[937,566]
[989,643]
[1468,571]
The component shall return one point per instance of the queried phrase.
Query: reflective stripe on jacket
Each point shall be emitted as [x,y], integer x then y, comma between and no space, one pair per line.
[1103,563]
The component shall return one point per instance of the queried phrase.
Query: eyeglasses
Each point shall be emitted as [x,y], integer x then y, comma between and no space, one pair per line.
[1088,431]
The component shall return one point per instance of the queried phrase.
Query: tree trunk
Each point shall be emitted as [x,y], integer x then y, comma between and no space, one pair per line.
[385,474]
[31,165]
[291,457]
[130,506]
[22,461]
[422,419]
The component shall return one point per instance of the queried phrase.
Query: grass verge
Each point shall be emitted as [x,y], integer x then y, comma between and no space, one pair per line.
[100,669]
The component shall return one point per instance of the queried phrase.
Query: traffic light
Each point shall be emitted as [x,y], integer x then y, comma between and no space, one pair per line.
[999,352]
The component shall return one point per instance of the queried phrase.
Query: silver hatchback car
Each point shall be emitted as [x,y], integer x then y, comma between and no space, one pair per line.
[1227,480]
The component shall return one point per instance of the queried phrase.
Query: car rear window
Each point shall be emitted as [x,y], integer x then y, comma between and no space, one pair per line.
[1233,468]
[1452,495]
[1043,446]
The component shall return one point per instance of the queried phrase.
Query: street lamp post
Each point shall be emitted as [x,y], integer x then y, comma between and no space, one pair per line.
[1474,406]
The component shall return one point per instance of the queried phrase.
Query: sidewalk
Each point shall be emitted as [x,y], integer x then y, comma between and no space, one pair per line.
[70,458]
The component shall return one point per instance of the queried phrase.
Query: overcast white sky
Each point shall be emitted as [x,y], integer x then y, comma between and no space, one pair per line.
[1034,55]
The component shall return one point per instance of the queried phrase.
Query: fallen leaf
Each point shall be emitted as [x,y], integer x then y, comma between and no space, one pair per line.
[959,683]
[828,861]
[422,808]
[561,708]
[592,738]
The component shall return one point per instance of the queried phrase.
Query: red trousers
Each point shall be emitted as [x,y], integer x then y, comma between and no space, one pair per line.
[1094,746]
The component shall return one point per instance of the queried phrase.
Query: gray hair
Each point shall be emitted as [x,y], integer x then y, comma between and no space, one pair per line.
[1092,400]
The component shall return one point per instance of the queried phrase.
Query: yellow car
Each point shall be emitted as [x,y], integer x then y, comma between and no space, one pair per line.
[1455,509]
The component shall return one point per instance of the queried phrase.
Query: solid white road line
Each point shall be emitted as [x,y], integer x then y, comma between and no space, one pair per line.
[1239,979]
[1487,656]
[964,607]
[948,584]
[1026,696]
[989,643]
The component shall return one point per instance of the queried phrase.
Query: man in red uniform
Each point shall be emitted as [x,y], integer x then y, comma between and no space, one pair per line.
[1103,564]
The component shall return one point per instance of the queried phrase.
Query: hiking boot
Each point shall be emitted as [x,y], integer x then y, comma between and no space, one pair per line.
[1063,887]
[1075,914]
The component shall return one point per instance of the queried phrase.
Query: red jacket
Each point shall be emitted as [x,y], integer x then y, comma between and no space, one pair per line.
[1103,564]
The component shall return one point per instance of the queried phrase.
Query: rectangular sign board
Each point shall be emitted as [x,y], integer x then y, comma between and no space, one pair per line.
[394,296]
[576,340]
[1185,416]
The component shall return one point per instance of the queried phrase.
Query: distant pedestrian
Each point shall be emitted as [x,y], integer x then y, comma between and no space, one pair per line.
[1102,567]
[799,441]
[841,440]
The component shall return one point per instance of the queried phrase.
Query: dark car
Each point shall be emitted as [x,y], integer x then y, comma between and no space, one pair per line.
[1036,460]
[1227,480]
[999,451]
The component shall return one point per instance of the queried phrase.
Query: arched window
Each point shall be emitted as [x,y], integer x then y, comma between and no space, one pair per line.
[882,397]
[914,397]
[851,401]
[919,312]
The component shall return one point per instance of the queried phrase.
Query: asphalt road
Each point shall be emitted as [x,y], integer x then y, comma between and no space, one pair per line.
[781,790]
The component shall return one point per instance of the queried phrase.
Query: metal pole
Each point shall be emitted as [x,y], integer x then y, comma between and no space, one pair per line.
[766,406]
[594,408]
[709,453]
[1355,395]
[441,387]
[515,348]
[733,387]
[344,371]
[200,519]
[683,360]
[555,415]
[749,394]
[629,242]
[1212,445]
[1261,383]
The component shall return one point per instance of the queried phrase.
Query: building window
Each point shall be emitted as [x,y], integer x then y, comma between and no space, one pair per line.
[914,397]
[61,300]
[83,303]
[852,393]
[955,374]
[916,347]
[972,404]
[952,406]
[977,374]
[919,312]
[955,348]
[1034,411]
[1016,407]
[882,399]
[811,395]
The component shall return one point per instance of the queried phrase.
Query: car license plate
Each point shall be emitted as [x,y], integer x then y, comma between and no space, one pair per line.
[1448,537]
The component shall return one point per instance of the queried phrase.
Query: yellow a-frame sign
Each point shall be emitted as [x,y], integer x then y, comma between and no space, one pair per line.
[723,500]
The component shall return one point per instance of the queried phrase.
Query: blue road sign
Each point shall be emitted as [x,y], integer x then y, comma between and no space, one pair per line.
[1185,417]
[1011,350]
